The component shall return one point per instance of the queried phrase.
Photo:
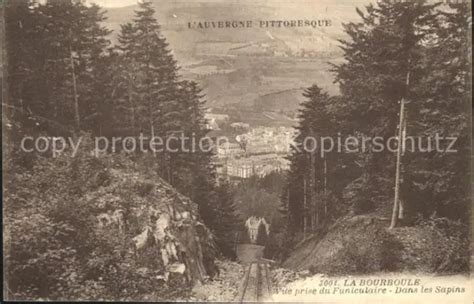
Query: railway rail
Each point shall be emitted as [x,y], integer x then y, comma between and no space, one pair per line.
[256,284]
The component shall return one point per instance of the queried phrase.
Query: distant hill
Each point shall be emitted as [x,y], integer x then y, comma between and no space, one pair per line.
[251,66]
[287,100]
[174,17]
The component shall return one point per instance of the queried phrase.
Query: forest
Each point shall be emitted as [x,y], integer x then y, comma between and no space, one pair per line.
[416,54]
[406,71]
[65,79]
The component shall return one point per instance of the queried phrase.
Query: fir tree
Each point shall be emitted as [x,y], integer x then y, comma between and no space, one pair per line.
[96,82]
[61,44]
[384,63]
[149,77]
[158,74]
[126,99]
[438,182]
[152,100]
[226,223]
[306,178]
[397,50]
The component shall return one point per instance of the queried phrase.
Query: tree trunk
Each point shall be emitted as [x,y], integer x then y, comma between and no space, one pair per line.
[77,117]
[132,105]
[325,184]
[312,193]
[304,208]
[396,203]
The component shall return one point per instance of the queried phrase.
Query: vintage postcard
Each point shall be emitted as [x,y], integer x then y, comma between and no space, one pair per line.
[237,150]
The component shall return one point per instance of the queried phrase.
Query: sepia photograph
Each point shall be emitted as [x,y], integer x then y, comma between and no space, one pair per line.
[239,151]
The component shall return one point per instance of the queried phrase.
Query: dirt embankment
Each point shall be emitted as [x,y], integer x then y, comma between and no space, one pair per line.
[364,244]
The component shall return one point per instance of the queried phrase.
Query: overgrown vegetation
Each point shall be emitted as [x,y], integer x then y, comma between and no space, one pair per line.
[260,197]
[415,51]
[64,77]
[55,248]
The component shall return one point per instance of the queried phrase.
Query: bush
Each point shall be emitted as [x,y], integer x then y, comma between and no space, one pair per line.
[51,241]
[53,247]
[277,247]
[449,252]
[39,264]
[380,252]
[358,196]
[435,245]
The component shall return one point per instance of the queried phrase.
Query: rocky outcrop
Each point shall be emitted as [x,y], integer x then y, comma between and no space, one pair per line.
[157,225]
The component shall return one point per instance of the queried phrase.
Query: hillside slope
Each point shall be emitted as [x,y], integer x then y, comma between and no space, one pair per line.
[238,65]
[363,244]
[90,228]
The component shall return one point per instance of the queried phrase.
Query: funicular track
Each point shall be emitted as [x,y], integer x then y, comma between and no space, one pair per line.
[256,285]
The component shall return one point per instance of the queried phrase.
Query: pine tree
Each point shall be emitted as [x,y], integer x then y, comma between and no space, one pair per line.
[148,75]
[152,100]
[305,178]
[125,95]
[96,82]
[226,223]
[158,74]
[438,182]
[392,41]
[384,62]
[51,77]
[192,158]
[21,78]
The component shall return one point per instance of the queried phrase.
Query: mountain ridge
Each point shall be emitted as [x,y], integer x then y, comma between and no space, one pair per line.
[244,65]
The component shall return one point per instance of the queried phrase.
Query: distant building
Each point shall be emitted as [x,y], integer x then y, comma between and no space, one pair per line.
[258,152]
[259,165]
[212,124]
[252,225]
[240,168]
[230,149]
[213,120]
[220,164]
[259,148]
[240,125]
[217,117]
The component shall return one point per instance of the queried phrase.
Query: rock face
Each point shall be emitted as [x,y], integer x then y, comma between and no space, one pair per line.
[157,225]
